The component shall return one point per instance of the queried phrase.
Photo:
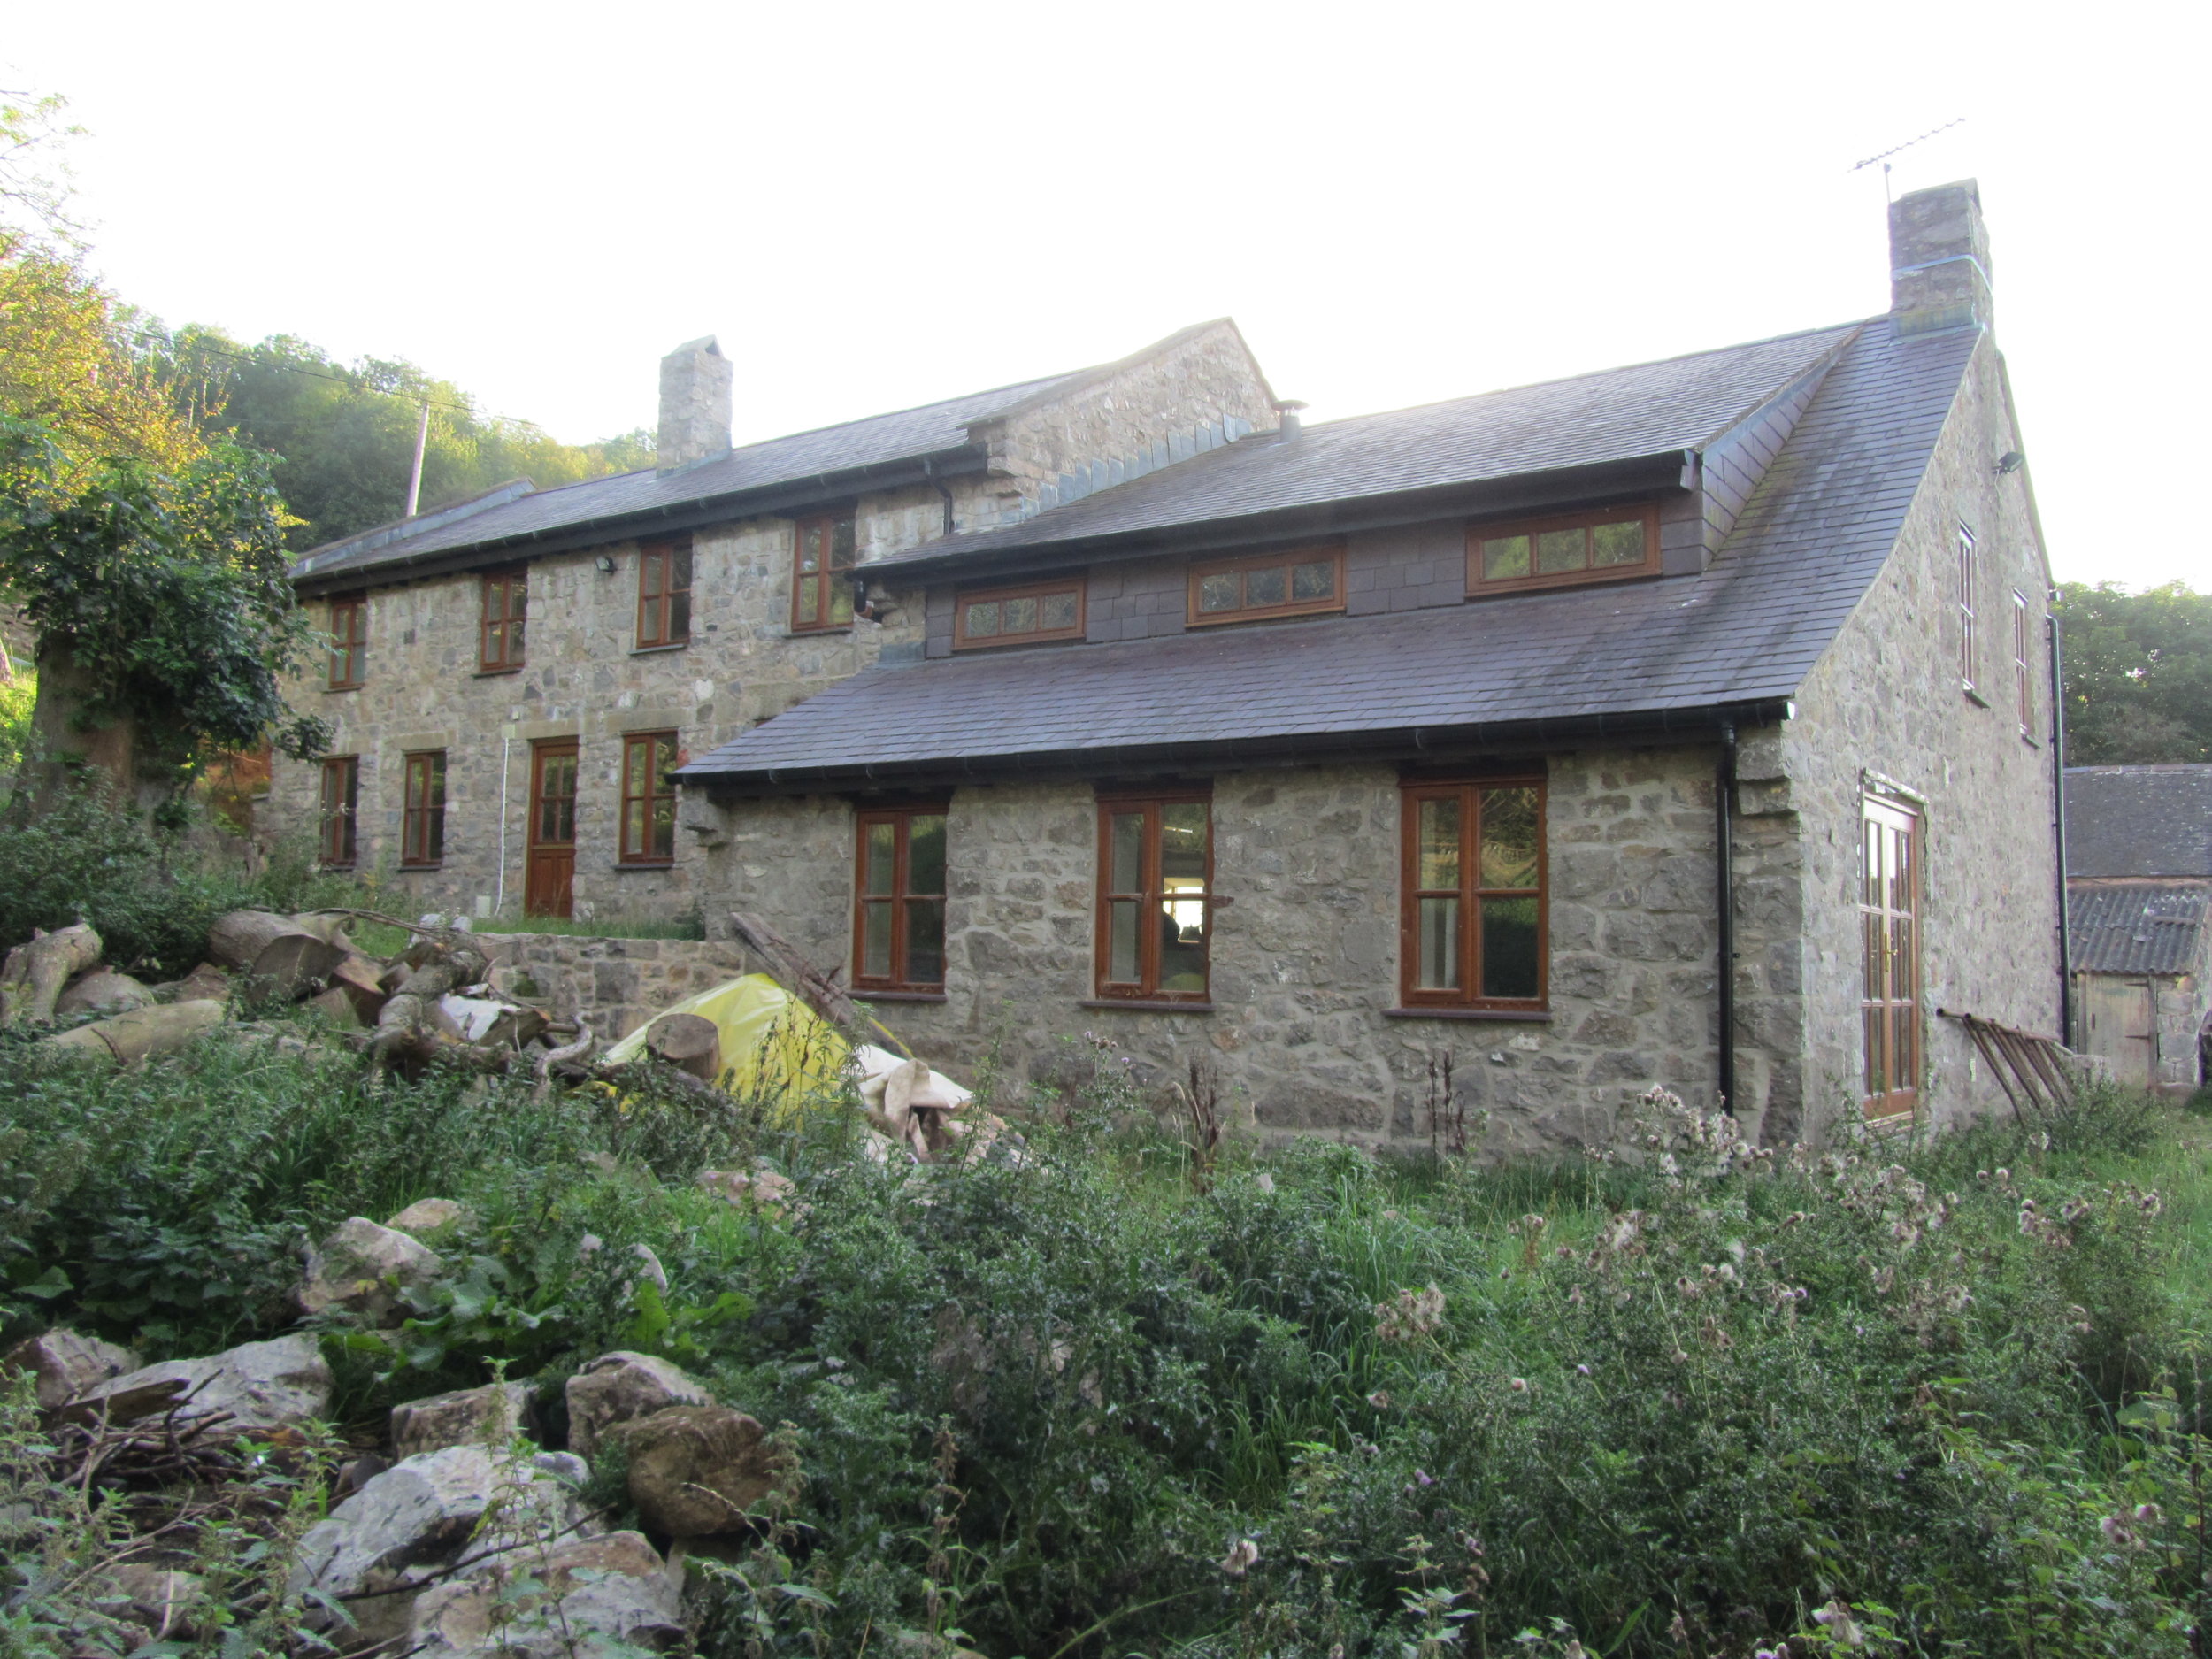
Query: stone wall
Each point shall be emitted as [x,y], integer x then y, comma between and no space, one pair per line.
[617,984]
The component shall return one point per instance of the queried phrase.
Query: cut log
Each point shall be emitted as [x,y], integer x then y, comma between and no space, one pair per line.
[129,1038]
[282,958]
[441,964]
[103,991]
[31,980]
[204,983]
[362,982]
[687,1042]
[335,1006]
[237,937]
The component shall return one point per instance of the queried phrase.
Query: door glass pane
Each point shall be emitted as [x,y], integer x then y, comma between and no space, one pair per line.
[875,939]
[1440,843]
[1875,976]
[1877,1060]
[925,942]
[1182,896]
[1902,960]
[1121,942]
[1901,870]
[1561,550]
[1125,866]
[1182,945]
[1021,616]
[1508,856]
[926,853]
[1269,587]
[1219,593]
[1870,881]
[882,841]
[1316,580]
[1504,557]
[983,620]
[1509,947]
[1440,945]
[1619,543]
[1059,610]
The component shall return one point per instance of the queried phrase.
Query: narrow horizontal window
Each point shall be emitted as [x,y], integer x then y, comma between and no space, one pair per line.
[349,641]
[1472,925]
[648,798]
[823,550]
[1309,580]
[1155,858]
[664,594]
[1583,546]
[899,900]
[342,794]
[422,829]
[505,617]
[1019,616]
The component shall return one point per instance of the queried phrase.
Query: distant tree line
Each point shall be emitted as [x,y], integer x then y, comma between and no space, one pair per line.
[2139,674]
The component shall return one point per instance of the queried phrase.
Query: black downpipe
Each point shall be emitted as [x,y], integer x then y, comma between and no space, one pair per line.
[1724,888]
[2058,831]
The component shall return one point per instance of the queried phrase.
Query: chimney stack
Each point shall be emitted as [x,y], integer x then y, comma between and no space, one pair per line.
[695,405]
[1938,260]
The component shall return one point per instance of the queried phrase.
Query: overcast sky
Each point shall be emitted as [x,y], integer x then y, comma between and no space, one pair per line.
[878,206]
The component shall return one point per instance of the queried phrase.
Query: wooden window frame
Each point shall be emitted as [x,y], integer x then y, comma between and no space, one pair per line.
[1478,586]
[650,789]
[830,578]
[1192,616]
[338,830]
[657,605]
[1149,895]
[349,641]
[1078,585]
[509,631]
[422,817]
[1470,892]
[1877,816]
[2023,657]
[1969,581]
[899,981]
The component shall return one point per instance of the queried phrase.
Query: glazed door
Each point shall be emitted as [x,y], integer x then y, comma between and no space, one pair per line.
[552,857]
[1889,1001]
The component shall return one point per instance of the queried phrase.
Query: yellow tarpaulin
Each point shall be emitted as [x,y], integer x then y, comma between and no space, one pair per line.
[774,1047]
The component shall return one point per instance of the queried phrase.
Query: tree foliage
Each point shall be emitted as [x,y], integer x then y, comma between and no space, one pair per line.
[2139,674]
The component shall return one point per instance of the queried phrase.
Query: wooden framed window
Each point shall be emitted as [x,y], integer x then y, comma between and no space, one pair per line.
[1579,547]
[822,571]
[2023,674]
[899,899]
[1967,584]
[1471,919]
[1156,858]
[648,798]
[664,594]
[1291,584]
[422,823]
[342,796]
[505,617]
[1889,919]
[349,641]
[1019,616]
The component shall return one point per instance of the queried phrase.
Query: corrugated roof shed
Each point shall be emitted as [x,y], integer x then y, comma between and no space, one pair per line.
[2135,927]
[1809,542]
[2139,821]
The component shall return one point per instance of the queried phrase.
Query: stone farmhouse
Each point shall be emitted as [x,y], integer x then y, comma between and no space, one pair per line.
[1686,723]
[2139,880]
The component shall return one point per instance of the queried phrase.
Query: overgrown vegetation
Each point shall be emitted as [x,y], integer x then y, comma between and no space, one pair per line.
[1101,1397]
[2139,674]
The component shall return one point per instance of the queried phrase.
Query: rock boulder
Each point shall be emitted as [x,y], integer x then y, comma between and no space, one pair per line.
[489,1417]
[575,1599]
[427,1215]
[621,1386]
[695,1470]
[66,1364]
[361,1267]
[251,1389]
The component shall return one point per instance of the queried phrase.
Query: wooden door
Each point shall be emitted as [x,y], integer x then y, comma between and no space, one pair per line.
[1889,998]
[2118,1023]
[552,857]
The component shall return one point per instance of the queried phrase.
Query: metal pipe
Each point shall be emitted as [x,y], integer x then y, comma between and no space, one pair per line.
[2058,830]
[1724,878]
[499,904]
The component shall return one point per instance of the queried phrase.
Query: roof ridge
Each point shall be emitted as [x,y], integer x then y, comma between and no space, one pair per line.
[911,409]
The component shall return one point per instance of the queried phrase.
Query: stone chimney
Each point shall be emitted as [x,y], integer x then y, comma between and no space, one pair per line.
[695,405]
[1938,260]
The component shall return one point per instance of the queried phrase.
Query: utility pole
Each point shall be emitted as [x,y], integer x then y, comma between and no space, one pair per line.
[422,437]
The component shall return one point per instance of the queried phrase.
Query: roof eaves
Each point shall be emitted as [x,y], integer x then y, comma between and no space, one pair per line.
[421,524]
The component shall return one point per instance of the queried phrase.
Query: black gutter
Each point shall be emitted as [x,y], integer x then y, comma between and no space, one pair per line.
[2058,831]
[1435,744]
[1725,893]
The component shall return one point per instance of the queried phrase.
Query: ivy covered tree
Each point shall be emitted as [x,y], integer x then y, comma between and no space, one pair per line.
[2139,674]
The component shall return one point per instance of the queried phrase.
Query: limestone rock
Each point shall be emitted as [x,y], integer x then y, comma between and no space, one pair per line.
[620,1386]
[103,991]
[694,1471]
[576,1599]
[423,1514]
[427,1215]
[162,1601]
[487,1416]
[65,1364]
[360,1269]
[255,1386]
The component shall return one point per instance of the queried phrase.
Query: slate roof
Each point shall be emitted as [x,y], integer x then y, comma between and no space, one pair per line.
[1748,628]
[2139,821]
[1651,409]
[907,434]
[2134,926]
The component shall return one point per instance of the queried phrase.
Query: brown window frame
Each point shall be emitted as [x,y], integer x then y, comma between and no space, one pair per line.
[349,641]
[508,630]
[1885,821]
[1470,893]
[829,580]
[962,641]
[652,789]
[422,810]
[1192,616]
[339,827]
[663,580]
[2022,673]
[1969,583]
[900,900]
[1150,895]
[1480,587]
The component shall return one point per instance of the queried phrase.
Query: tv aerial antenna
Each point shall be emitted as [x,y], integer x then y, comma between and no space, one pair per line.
[1883,159]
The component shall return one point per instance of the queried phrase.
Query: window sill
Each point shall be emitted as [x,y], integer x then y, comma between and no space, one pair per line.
[1527,1016]
[656,650]
[827,628]
[1147,1005]
[355,685]
[495,674]
[631,866]
[862,993]
[414,870]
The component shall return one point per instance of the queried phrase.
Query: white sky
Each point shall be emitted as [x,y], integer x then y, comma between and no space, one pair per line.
[878,205]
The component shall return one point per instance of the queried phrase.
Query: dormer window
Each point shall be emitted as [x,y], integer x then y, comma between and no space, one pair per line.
[822,573]
[1291,584]
[1027,615]
[1551,552]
